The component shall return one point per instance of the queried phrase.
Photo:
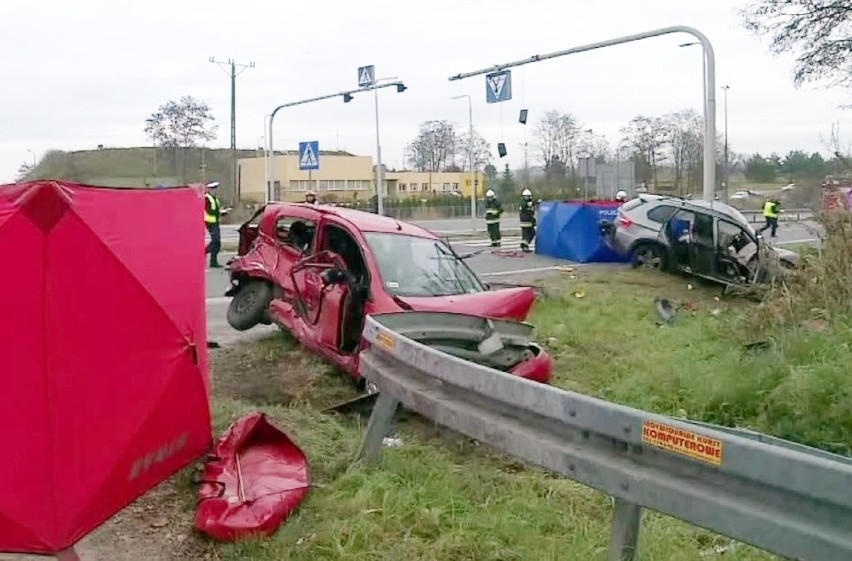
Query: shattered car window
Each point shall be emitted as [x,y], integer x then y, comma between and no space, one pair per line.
[412,266]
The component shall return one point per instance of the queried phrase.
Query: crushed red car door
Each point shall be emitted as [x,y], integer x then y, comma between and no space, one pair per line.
[321,293]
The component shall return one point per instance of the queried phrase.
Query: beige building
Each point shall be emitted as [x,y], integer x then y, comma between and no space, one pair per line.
[344,177]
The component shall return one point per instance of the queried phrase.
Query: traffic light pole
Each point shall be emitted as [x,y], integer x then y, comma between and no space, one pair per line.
[709,87]
[270,152]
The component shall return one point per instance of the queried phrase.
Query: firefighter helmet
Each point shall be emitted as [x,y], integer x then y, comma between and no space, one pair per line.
[489,193]
[526,193]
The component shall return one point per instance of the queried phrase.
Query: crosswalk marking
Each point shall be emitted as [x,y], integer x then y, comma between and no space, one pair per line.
[509,242]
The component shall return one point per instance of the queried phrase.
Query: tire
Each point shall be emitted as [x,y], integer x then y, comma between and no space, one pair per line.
[648,256]
[248,307]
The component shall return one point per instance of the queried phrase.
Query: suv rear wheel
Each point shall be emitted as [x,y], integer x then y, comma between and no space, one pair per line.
[648,256]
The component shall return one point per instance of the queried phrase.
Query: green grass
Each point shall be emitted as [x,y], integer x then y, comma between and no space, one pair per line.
[608,344]
[441,496]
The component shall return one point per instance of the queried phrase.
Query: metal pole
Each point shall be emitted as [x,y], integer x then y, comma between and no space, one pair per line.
[380,176]
[726,172]
[266,158]
[270,187]
[709,89]
[472,166]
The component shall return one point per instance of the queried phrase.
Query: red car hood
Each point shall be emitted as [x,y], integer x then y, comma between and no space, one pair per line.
[507,303]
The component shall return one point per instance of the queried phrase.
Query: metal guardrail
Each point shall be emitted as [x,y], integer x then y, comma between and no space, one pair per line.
[776,495]
[787,215]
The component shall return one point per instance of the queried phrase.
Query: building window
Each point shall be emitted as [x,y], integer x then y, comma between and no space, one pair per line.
[360,184]
[324,185]
[402,187]
[455,186]
[467,182]
[300,185]
[414,186]
[337,185]
[425,187]
[446,187]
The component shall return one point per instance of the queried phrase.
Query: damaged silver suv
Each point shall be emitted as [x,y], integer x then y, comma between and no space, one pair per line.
[703,238]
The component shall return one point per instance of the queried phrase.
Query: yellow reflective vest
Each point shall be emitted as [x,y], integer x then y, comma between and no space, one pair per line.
[770,209]
[211,214]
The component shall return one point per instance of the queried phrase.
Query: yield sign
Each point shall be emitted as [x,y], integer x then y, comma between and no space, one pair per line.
[498,86]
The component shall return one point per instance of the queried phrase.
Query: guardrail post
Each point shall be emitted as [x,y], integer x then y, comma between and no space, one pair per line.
[626,521]
[378,428]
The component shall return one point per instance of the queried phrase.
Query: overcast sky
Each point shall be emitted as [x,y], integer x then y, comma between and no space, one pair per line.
[79,74]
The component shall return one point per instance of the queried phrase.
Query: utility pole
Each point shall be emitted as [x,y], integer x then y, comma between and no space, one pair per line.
[230,68]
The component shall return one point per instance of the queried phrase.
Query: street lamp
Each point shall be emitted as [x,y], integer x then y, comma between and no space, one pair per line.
[726,171]
[473,185]
[34,157]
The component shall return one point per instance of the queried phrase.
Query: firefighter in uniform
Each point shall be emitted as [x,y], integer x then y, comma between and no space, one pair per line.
[771,208]
[493,211]
[212,214]
[311,198]
[527,216]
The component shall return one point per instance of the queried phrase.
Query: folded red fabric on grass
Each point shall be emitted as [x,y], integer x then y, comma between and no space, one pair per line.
[255,478]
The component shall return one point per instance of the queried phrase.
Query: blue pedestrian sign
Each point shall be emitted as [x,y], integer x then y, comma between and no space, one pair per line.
[309,155]
[498,86]
[366,76]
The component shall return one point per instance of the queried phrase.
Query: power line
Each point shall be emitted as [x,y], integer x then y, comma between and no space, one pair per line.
[230,68]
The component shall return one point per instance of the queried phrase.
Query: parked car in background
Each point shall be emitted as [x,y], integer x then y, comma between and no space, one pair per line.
[704,238]
[318,271]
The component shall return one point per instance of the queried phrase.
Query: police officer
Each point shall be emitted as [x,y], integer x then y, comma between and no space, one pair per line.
[493,211]
[621,196]
[212,215]
[771,208]
[527,215]
[311,198]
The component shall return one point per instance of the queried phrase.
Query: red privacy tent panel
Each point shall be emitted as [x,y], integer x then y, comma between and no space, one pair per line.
[104,353]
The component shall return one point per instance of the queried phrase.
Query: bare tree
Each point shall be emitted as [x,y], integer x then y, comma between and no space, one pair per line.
[816,31]
[24,171]
[557,136]
[595,145]
[178,126]
[433,148]
[481,151]
[683,135]
[647,136]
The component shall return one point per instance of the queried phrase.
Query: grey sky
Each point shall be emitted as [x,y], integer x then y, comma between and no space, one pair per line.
[84,73]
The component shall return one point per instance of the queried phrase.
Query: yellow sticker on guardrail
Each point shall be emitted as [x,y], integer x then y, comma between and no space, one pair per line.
[683,442]
[385,340]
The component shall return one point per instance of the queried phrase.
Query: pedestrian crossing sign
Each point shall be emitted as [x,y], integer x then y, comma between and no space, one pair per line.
[309,155]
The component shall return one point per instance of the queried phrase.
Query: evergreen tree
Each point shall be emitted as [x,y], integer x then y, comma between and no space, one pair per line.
[506,188]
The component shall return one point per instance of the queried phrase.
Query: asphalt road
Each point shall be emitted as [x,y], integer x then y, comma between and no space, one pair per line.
[505,265]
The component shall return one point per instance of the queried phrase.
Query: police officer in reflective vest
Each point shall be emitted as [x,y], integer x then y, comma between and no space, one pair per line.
[493,211]
[771,208]
[527,215]
[212,214]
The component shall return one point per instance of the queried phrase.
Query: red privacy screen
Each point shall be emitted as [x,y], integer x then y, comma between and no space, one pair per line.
[104,353]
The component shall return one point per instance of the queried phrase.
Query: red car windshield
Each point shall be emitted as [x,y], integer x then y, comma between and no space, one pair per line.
[412,266]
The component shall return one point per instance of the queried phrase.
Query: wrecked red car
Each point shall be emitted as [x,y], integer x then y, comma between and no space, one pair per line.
[319,271]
